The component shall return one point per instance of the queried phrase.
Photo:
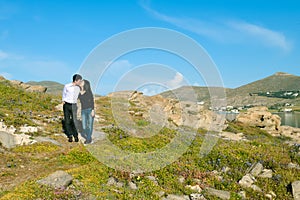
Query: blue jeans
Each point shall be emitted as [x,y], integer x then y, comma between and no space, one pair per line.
[87,124]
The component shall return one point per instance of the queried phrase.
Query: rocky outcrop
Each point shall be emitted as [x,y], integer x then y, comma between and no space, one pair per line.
[262,118]
[10,140]
[4,128]
[172,112]
[29,88]
[291,132]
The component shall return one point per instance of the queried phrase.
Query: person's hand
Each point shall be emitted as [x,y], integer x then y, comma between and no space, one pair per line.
[93,113]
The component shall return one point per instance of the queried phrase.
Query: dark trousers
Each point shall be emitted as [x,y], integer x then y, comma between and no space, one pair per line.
[70,115]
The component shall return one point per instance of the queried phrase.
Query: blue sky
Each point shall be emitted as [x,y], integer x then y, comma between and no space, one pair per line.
[247,40]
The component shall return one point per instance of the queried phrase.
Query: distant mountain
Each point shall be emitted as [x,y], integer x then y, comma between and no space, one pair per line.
[279,81]
[52,86]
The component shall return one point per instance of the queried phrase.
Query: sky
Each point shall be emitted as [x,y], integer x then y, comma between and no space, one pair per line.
[241,42]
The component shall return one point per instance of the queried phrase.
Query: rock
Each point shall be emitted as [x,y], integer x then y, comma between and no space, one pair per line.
[29,88]
[291,132]
[225,169]
[111,181]
[247,180]
[293,166]
[256,188]
[28,129]
[59,179]
[218,193]
[10,140]
[160,193]
[197,196]
[181,179]
[16,82]
[242,194]
[266,173]
[262,118]
[176,197]
[271,195]
[132,186]
[36,88]
[195,188]
[114,182]
[296,190]
[45,139]
[160,110]
[256,169]
[4,128]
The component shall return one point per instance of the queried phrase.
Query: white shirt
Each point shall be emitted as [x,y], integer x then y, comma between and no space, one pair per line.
[70,93]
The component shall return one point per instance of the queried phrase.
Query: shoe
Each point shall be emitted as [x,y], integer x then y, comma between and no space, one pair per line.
[70,139]
[88,142]
[76,139]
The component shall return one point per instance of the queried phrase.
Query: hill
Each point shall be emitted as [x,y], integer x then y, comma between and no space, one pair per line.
[279,81]
[252,93]
[52,86]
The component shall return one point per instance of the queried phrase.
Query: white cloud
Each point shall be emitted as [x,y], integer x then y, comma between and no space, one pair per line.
[150,91]
[176,82]
[269,37]
[224,31]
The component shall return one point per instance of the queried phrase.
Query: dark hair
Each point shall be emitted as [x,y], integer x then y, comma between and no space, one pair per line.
[76,77]
[87,86]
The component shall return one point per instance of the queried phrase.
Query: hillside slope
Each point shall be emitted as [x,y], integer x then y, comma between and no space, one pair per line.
[243,95]
[52,86]
[279,81]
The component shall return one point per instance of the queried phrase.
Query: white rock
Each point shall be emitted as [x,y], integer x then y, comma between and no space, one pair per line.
[296,190]
[195,188]
[266,173]
[247,180]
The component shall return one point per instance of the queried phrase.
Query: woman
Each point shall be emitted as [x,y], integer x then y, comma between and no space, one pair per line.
[87,110]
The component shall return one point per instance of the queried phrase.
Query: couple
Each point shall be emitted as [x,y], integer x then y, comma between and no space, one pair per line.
[81,89]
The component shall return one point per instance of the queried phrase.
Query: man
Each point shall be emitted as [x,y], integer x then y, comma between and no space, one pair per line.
[69,98]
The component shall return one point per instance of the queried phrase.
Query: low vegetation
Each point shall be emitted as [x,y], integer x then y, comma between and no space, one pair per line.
[221,169]
[19,107]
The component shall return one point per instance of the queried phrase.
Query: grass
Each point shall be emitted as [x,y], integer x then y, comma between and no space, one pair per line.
[19,107]
[91,176]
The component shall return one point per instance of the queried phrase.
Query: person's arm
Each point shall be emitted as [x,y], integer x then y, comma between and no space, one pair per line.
[64,93]
[93,106]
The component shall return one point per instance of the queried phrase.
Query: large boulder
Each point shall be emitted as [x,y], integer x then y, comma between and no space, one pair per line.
[291,132]
[29,88]
[172,112]
[36,88]
[58,179]
[10,140]
[262,118]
